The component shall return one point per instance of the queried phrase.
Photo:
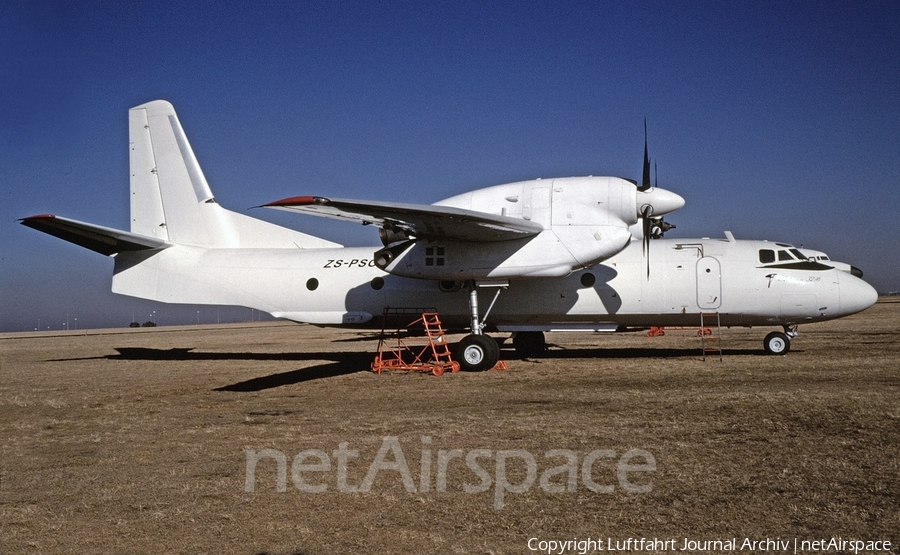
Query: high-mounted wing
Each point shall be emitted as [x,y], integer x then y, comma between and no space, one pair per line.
[97,238]
[423,221]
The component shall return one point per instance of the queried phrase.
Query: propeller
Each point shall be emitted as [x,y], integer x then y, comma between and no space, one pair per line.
[653,200]
[647,210]
[645,229]
[645,181]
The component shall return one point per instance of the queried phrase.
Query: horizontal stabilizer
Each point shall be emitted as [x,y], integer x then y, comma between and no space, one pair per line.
[423,221]
[97,238]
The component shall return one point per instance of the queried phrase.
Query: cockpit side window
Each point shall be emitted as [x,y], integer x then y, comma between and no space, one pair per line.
[766,256]
[799,255]
[784,255]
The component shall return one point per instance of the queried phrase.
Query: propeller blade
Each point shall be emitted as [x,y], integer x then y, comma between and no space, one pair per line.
[645,228]
[645,180]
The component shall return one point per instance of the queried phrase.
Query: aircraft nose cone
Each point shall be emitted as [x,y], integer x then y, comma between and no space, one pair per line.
[659,200]
[856,294]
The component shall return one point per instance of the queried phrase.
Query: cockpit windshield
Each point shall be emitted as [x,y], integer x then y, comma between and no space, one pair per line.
[767,256]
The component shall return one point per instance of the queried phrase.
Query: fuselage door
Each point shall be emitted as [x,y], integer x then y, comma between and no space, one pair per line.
[709,283]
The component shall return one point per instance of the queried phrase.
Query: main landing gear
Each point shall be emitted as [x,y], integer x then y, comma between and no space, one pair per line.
[476,351]
[777,343]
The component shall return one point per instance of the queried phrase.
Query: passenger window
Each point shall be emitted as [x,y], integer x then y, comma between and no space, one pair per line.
[766,256]
[784,255]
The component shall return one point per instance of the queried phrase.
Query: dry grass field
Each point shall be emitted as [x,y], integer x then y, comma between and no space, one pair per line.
[146,452]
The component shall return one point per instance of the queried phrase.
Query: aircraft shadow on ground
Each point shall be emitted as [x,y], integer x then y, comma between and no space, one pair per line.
[340,364]
[187,353]
[642,352]
[349,363]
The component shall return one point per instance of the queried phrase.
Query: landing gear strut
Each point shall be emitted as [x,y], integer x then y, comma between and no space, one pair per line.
[476,351]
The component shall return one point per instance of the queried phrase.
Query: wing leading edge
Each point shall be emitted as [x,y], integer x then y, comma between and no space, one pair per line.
[423,221]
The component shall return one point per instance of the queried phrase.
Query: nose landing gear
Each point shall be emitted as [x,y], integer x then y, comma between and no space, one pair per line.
[777,343]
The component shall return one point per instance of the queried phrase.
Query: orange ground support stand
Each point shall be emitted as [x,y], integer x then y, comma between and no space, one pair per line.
[411,350]
[659,331]
[709,343]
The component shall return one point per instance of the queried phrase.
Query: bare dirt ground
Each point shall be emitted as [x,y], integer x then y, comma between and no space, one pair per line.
[146,452]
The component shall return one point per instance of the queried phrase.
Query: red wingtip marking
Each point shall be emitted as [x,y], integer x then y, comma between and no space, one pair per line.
[293,201]
[40,217]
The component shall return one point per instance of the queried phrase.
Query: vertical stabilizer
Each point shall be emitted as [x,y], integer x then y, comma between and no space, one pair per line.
[171,200]
[147,216]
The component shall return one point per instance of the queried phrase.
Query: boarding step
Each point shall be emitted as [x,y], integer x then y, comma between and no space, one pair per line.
[710,334]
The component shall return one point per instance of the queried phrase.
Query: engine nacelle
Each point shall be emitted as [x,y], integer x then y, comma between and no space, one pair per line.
[568,201]
[585,221]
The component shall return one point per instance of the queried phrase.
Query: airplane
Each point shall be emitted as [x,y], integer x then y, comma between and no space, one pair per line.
[572,253]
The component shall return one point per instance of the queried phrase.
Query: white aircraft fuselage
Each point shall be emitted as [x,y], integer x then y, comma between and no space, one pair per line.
[343,286]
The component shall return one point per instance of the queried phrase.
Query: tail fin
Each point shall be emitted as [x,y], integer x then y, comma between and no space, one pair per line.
[171,200]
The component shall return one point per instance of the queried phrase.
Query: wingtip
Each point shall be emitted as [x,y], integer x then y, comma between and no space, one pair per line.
[37,217]
[295,201]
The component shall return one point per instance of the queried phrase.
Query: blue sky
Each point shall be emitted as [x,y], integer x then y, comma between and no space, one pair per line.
[776,121]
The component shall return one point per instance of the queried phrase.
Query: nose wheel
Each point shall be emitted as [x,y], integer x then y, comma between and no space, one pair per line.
[777,343]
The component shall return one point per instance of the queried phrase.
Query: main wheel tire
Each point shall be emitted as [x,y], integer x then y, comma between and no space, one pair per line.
[777,343]
[529,343]
[477,352]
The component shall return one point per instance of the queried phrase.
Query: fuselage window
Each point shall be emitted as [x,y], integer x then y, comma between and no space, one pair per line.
[588,279]
[766,256]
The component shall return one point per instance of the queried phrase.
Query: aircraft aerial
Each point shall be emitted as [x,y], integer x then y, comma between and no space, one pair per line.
[572,253]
